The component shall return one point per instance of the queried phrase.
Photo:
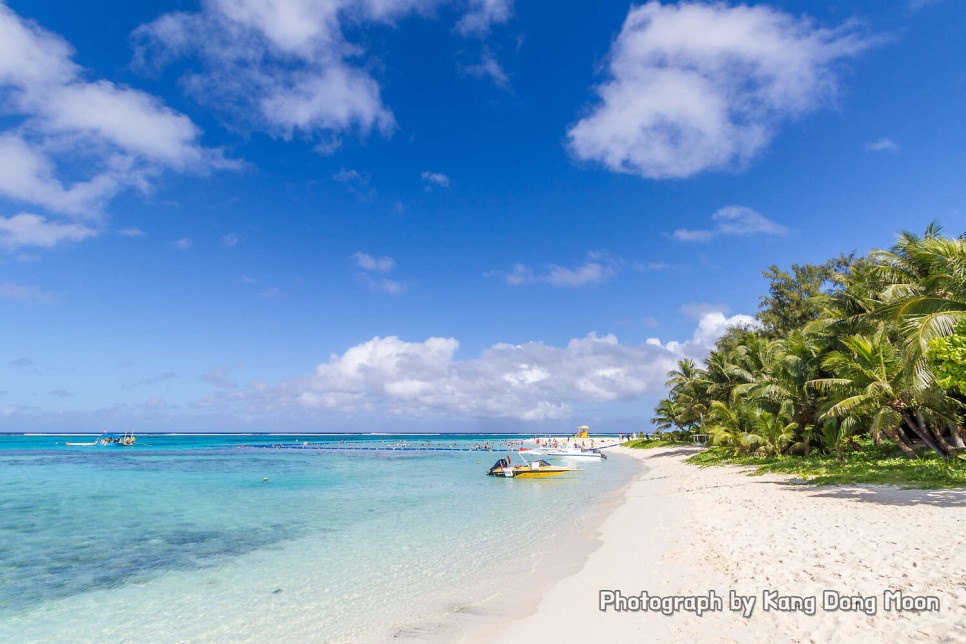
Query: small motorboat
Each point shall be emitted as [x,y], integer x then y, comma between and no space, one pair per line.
[576,452]
[531,470]
[125,439]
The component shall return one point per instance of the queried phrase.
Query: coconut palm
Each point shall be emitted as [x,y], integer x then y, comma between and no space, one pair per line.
[924,292]
[667,415]
[870,385]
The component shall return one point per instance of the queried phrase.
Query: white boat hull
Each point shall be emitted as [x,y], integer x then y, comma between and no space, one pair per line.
[587,454]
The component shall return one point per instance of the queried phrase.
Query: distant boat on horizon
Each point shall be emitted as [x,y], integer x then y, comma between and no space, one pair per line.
[125,439]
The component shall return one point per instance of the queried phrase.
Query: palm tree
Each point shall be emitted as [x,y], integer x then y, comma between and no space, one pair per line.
[924,292]
[771,433]
[687,389]
[869,384]
[666,415]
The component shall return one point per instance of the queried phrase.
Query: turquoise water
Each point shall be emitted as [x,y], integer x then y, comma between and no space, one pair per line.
[179,537]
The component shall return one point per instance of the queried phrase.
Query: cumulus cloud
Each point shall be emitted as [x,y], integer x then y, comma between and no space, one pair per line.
[437,179]
[282,67]
[231,240]
[182,244]
[131,232]
[26,229]
[532,381]
[288,67]
[696,86]
[120,136]
[882,145]
[732,220]
[711,326]
[293,67]
[597,269]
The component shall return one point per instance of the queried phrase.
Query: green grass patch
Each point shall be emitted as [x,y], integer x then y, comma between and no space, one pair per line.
[879,465]
[643,443]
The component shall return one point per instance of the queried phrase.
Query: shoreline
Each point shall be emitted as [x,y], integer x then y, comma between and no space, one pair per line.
[481,613]
[688,531]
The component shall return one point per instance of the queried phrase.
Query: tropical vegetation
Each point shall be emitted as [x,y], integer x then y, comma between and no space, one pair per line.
[859,354]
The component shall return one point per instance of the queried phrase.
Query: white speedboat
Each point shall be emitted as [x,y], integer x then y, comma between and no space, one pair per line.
[123,440]
[576,452]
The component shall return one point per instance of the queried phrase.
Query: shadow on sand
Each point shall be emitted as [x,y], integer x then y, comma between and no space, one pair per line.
[885,495]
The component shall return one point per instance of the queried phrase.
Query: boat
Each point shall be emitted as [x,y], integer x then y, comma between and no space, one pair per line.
[125,439]
[529,470]
[576,452]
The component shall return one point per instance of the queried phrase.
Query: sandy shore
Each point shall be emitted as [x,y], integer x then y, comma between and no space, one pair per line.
[681,530]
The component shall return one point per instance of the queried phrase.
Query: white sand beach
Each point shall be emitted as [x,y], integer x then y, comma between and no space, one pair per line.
[682,530]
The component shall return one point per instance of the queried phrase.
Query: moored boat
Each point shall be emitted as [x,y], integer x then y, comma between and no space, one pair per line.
[125,439]
[576,452]
[531,470]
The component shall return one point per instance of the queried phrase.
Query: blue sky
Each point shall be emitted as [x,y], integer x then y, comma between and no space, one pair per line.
[418,215]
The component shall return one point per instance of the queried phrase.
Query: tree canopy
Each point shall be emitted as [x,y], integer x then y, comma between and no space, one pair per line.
[872,346]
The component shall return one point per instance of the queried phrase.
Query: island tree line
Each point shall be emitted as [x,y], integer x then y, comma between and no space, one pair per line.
[856,347]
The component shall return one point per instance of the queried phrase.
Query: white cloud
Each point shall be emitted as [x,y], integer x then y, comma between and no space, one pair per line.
[28,175]
[220,378]
[282,67]
[696,86]
[182,244]
[12,291]
[392,287]
[120,136]
[711,326]
[488,67]
[154,380]
[697,310]
[881,145]
[288,67]
[26,229]
[369,263]
[356,182]
[532,381]
[131,232]
[231,240]
[683,234]
[587,273]
[597,269]
[483,14]
[645,267]
[733,220]
[349,176]
[431,179]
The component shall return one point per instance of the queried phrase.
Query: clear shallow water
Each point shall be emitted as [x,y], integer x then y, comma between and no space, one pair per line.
[178,538]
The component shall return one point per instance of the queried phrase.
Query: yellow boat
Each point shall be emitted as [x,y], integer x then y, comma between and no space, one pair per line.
[535,470]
